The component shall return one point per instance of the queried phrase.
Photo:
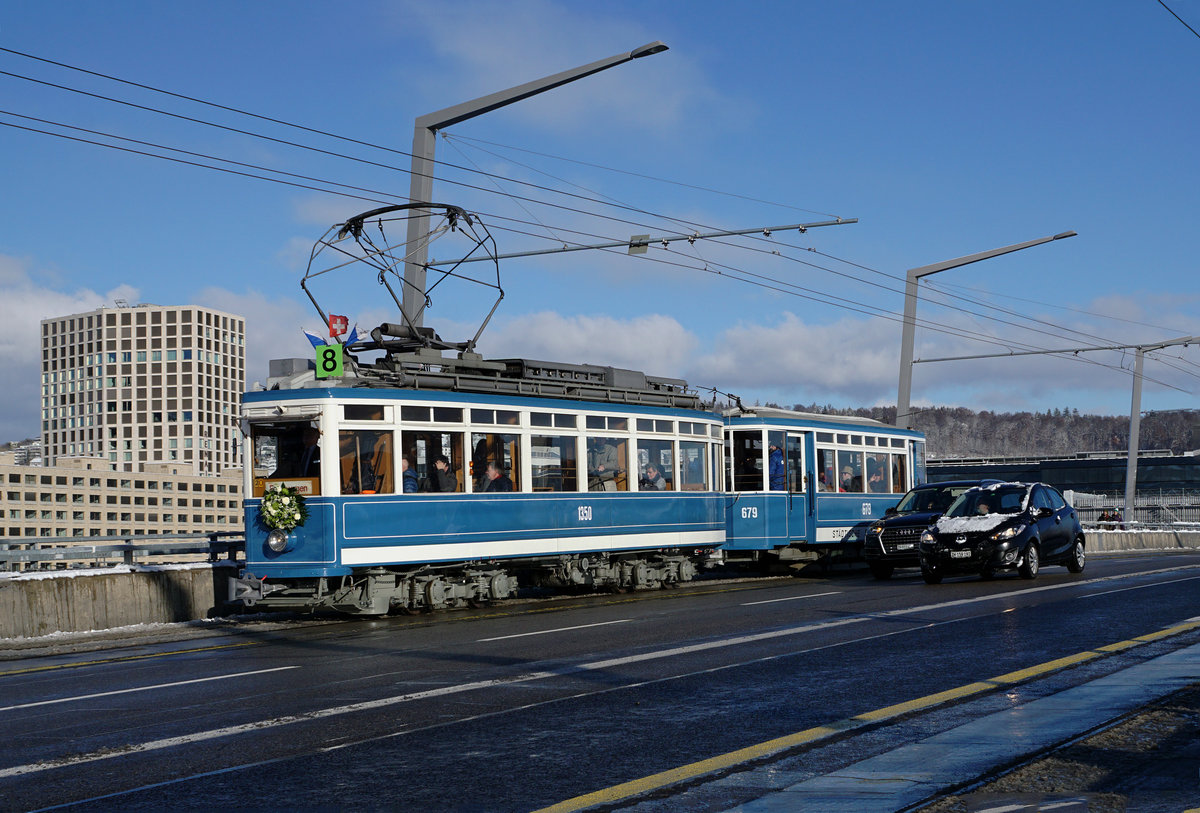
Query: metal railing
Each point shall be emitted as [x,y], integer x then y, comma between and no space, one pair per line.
[57,552]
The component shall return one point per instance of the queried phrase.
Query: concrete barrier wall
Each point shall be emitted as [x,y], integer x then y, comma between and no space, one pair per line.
[1102,541]
[76,602]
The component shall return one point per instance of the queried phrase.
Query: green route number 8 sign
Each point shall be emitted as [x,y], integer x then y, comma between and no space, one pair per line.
[329,361]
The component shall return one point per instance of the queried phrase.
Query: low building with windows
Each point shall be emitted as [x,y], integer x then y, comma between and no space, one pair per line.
[88,497]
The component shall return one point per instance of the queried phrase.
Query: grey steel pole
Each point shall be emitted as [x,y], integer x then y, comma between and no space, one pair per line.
[904,390]
[1135,425]
[424,139]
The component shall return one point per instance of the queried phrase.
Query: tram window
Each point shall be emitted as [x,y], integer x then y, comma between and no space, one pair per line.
[899,478]
[826,470]
[870,440]
[918,451]
[565,421]
[596,422]
[843,438]
[898,443]
[502,450]
[364,412]
[447,415]
[414,413]
[825,437]
[607,464]
[365,461]
[747,460]
[287,453]
[850,471]
[656,465]
[878,473]
[797,479]
[645,425]
[716,432]
[422,449]
[540,419]
[483,416]
[693,470]
[554,463]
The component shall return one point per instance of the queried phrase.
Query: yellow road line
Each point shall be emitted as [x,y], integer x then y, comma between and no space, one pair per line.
[661,780]
[125,658]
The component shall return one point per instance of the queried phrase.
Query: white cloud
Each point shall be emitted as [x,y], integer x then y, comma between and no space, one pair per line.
[852,358]
[23,304]
[491,46]
[654,344]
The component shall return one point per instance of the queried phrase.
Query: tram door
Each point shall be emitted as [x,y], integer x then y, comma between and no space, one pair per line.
[799,500]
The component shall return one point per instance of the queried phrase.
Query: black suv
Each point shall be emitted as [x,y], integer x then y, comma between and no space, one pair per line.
[1005,526]
[892,542]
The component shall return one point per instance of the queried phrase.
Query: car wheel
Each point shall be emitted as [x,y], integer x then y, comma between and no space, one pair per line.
[1029,564]
[1077,559]
[931,576]
[881,571]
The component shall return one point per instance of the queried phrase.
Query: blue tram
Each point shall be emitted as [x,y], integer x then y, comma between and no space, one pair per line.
[427,476]
[447,486]
[799,484]
[433,485]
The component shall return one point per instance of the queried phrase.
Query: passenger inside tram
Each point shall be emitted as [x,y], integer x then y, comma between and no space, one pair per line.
[653,480]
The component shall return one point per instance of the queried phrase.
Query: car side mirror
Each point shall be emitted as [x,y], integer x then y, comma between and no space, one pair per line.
[1041,513]
[891,510]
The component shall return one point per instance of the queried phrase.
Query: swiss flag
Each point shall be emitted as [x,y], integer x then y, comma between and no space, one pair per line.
[338,325]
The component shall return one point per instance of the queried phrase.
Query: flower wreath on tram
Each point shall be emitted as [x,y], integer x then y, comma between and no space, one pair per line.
[283,509]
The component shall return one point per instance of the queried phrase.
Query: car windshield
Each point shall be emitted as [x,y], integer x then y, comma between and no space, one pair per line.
[978,501]
[929,498]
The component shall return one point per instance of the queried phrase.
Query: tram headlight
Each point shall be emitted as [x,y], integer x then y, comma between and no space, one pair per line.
[277,540]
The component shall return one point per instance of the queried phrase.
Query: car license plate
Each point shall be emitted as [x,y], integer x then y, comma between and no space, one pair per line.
[906,546]
[960,554]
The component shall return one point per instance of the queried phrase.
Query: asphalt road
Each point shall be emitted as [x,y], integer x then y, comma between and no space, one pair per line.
[529,704]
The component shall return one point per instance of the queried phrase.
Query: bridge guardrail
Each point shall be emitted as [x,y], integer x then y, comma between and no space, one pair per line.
[91,551]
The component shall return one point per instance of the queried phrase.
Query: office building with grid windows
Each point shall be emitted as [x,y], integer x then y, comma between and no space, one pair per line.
[144,386]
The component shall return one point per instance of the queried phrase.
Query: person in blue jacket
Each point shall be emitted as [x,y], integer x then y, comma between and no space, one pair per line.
[776,475]
[408,477]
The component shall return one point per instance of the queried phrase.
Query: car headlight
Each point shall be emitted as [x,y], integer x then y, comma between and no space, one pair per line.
[877,529]
[927,538]
[277,540]
[1008,533]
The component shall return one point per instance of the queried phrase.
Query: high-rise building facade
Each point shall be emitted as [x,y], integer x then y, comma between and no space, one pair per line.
[144,385]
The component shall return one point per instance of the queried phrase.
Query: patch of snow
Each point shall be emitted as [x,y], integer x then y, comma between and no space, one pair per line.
[73,573]
[965,525]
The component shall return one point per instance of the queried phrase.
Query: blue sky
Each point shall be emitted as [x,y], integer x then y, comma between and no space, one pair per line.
[945,127]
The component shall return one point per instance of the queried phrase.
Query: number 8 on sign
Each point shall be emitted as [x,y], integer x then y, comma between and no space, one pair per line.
[329,361]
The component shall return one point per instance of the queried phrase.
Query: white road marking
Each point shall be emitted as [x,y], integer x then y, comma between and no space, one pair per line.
[559,629]
[791,598]
[144,688]
[1140,586]
[384,702]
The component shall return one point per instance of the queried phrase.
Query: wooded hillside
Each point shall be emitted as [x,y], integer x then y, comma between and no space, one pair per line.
[960,432]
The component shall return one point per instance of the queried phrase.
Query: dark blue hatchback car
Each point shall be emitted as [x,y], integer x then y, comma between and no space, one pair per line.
[1003,526]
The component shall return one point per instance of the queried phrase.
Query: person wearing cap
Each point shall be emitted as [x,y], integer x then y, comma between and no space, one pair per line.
[847,483]
[776,476]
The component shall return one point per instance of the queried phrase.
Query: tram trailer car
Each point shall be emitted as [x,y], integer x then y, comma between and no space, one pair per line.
[802,486]
[447,485]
